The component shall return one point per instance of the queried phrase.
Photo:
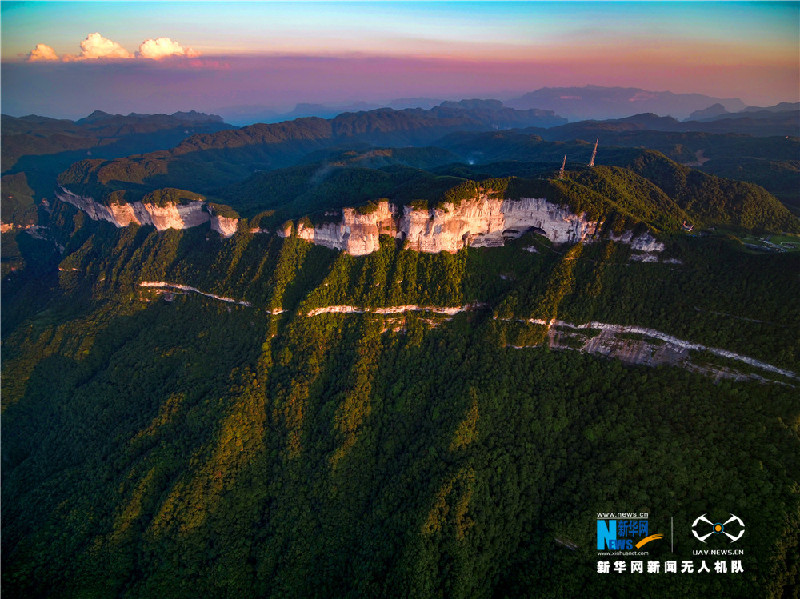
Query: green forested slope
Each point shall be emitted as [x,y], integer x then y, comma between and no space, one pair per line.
[713,198]
[717,294]
[651,189]
[183,448]
[156,448]
[18,205]
[297,191]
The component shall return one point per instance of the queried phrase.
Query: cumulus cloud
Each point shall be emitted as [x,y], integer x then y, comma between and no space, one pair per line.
[162,47]
[97,46]
[42,52]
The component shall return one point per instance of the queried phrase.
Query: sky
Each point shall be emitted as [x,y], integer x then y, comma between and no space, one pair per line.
[67,59]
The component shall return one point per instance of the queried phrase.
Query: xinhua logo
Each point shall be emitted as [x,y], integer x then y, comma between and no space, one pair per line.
[702,528]
[620,535]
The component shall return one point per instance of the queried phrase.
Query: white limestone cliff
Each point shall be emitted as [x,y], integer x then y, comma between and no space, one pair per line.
[483,221]
[223,225]
[177,216]
[480,222]
[169,216]
[643,243]
[357,234]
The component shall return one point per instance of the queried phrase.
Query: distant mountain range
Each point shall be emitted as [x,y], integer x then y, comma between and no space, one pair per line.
[596,102]
[227,156]
[718,111]
[249,114]
[103,124]
[245,115]
[762,123]
[36,148]
[103,152]
[39,135]
[572,103]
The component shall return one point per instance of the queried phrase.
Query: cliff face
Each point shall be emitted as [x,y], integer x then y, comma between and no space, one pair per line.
[170,216]
[643,243]
[356,233]
[174,216]
[223,225]
[480,222]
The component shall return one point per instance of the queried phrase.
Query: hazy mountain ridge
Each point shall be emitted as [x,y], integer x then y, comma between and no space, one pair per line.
[759,124]
[718,111]
[255,114]
[33,134]
[771,162]
[576,103]
[592,102]
[36,149]
[235,155]
[281,144]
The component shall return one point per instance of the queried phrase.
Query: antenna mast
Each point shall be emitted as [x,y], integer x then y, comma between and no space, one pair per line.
[563,164]
[594,152]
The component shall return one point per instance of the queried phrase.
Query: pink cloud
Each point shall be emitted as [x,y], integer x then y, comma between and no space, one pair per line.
[42,52]
[97,46]
[162,47]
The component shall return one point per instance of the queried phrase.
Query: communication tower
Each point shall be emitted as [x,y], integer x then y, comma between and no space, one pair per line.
[594,152]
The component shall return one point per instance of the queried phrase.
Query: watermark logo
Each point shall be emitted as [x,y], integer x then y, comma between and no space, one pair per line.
[623,532]
[703,528]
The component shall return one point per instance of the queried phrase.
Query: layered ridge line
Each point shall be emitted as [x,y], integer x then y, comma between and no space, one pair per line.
[483,221]
[479,222]
[162,217]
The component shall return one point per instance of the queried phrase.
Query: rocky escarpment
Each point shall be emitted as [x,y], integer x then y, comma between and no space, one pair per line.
[483,221]
[642,243]
[480,222]
[162,217]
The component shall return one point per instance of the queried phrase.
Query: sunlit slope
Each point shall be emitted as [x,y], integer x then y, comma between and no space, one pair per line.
[185,447]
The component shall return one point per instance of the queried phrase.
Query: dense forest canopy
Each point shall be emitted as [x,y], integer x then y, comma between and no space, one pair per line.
[191,445]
